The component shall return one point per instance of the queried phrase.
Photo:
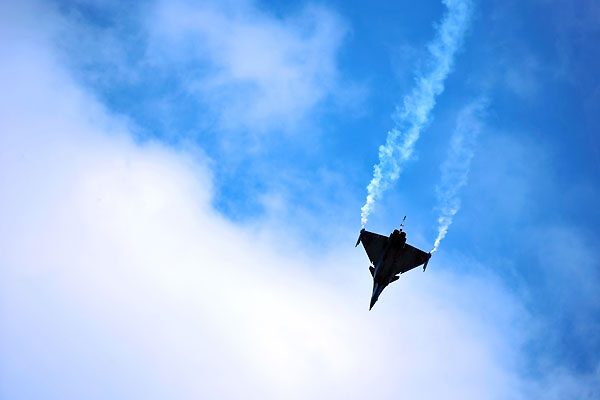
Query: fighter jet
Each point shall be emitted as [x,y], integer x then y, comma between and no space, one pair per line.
[390,256]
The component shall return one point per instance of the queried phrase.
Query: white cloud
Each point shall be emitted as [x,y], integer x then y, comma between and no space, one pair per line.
[118,279]
[254,70]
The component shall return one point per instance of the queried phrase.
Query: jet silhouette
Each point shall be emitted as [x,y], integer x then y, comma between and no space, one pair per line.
[390,256]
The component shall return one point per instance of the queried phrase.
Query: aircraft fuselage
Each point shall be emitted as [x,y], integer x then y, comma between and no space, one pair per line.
[384,267]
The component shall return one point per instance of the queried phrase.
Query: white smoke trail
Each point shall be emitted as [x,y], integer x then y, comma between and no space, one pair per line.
[414,113]
[455,169]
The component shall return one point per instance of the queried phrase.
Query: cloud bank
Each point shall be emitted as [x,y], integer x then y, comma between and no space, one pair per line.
[237,66]
[260,71]
[413,116]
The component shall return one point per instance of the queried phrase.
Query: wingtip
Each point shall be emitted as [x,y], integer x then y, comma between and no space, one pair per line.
[359,237]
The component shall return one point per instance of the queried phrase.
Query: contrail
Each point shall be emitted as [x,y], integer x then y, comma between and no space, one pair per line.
[414,113]
[455,169]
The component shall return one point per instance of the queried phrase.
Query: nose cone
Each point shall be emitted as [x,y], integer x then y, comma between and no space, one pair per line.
[373,300]
[377,289]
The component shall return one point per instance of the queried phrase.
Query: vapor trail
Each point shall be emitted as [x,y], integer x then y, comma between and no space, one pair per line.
[413,115]
[455,169]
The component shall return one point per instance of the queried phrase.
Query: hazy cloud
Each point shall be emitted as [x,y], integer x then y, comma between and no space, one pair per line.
[254,70]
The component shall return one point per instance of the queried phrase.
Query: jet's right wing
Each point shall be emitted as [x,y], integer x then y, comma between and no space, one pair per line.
[410,258]
[373,243]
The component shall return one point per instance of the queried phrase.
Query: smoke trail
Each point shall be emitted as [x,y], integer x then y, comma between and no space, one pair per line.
[414,113]
[455,169]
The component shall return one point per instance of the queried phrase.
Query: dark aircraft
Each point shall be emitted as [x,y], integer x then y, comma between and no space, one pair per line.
[390,257]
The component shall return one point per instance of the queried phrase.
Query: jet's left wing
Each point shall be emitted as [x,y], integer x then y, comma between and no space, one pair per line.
[410,258]
[373,243]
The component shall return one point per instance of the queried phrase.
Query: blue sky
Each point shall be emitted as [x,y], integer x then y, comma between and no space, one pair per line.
[183,187]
